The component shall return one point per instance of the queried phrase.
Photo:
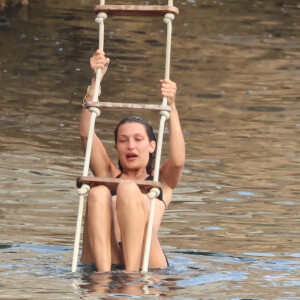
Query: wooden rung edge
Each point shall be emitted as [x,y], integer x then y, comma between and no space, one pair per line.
[112,183]
[136,10]
[126,106]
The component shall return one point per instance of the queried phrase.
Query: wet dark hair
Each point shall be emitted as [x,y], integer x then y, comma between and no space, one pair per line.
[150,134]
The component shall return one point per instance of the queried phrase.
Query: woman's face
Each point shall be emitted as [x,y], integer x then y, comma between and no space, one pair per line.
[133,146]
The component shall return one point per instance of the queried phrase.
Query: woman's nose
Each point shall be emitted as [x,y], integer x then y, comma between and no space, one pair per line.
[131,144]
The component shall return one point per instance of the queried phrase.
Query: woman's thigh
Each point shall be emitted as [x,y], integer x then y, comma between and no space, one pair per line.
[87,253]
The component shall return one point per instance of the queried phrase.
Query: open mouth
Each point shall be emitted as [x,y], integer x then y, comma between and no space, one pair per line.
[131,156]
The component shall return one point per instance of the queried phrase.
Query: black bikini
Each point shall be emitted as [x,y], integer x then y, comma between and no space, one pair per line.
[150,178]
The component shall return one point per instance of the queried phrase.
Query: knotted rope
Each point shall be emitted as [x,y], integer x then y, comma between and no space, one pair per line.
[168,18]
[84,189]
[154,193]
[95,112]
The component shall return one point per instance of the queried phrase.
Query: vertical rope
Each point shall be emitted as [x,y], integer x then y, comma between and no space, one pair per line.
[77,233]
[100,20]
[95,112]
[168,18]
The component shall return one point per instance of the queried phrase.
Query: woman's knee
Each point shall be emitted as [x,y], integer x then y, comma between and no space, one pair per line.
[127,188]
[99,195]
[128,191]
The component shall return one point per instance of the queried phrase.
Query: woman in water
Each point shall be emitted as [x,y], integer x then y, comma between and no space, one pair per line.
[115,225]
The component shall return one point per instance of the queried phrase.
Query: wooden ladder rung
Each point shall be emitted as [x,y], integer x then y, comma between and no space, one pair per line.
[126,106]
[112,183]
[136,10]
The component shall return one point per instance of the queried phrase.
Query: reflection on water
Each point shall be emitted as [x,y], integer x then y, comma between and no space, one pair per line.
[232,228]
[218,273]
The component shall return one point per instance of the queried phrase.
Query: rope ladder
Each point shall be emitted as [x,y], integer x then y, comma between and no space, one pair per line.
[152,188]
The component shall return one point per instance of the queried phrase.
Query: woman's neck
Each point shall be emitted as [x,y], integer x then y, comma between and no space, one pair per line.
[136,174]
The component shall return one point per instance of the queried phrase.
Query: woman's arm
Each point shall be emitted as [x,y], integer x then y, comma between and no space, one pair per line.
[100,164]
[171,170]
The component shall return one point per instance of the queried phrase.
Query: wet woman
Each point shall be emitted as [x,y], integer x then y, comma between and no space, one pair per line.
[115,225]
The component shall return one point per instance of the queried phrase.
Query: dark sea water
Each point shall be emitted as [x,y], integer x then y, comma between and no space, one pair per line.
[232,229]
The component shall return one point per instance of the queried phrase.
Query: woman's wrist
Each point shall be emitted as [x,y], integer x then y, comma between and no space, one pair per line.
[173,107]
[93,81]
[90,93]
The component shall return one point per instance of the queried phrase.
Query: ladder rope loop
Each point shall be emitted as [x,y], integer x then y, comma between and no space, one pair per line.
[84,189]
[101,17]
[154,193]
[95,110]
[165,113]
[168,18]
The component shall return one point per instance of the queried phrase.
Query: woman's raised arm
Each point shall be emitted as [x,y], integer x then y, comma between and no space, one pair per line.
[171,170]
[101,164]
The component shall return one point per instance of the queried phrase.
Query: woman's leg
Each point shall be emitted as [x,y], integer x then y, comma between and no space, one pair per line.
[98,229]
[87,254]
[132,220]
[157,257]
